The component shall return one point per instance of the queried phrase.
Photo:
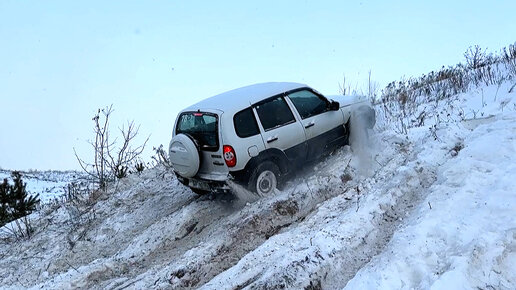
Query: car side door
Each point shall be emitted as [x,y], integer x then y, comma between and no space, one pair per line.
[324,128]
[280,129]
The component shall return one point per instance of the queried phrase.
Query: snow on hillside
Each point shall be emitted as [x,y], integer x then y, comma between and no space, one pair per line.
[432,209]
[50,185]
[463,233]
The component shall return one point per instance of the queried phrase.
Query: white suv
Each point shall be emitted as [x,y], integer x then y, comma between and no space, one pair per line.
[257,134]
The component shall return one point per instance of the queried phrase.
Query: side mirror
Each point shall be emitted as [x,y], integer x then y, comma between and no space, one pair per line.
[334,106]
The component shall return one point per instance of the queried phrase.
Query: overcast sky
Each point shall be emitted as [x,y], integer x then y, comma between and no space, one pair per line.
[62,60]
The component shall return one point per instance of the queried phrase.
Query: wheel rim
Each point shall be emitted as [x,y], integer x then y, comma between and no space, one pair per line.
[266,182]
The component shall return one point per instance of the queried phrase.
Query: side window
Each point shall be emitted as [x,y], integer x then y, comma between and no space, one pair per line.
[274,113]
[308,104]
[245,123]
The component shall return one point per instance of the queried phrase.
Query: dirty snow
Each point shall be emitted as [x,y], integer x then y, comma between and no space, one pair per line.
[432,209]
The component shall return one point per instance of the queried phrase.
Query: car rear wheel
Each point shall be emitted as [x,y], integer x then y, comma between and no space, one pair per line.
[264,178]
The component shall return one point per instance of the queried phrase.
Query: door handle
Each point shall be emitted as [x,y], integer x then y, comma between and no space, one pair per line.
[272,139]
[311,124]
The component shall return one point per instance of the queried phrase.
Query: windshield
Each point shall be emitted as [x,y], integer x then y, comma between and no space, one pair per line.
[202,127]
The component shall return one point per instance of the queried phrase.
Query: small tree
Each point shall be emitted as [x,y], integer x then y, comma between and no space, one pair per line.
[4,202]
[16,204]
[22,204]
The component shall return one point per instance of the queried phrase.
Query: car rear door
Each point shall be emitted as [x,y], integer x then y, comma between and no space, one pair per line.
[280,129]
[204,127]
[323,127]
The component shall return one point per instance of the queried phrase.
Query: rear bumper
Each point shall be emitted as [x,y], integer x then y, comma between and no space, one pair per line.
[219,186]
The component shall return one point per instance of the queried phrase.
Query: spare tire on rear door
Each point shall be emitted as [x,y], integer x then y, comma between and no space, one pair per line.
[184,155]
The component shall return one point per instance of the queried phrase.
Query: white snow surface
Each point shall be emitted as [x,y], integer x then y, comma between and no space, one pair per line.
[463,234]
[433,209]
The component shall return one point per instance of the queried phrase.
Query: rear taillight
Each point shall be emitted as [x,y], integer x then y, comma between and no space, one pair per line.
[229,155]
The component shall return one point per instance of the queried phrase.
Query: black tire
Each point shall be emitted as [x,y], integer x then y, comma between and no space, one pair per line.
[264,178]
[199,191]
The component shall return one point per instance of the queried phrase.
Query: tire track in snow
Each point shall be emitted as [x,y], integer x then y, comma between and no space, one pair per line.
[362,232]
[255,224]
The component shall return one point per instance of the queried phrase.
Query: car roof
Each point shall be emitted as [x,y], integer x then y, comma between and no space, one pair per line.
[238,99]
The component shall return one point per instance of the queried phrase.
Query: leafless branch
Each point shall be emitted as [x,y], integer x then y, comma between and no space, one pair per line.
[108,161]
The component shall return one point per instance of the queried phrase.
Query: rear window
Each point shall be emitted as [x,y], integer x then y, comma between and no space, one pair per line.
[274,113]
[245,123]
[202,127]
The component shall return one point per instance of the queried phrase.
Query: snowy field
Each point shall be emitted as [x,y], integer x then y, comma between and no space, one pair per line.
[435,208]
[49,185]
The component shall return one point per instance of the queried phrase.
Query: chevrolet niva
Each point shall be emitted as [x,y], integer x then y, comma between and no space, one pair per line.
[256,135]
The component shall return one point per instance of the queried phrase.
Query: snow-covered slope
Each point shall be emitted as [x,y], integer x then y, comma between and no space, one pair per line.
[463,232]
[431,209]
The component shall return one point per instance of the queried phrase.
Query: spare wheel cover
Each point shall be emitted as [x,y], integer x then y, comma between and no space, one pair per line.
[184,155]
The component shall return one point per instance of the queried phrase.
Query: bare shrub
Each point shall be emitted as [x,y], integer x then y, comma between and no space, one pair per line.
[124,157]
[372,88]
[139,167]
[475,57]
[484,67]
[343,88]
[160,156]
[509,59]
[400,101]
[109,161]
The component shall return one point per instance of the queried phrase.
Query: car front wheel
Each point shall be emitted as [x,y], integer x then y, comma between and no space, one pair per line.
[264,178]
